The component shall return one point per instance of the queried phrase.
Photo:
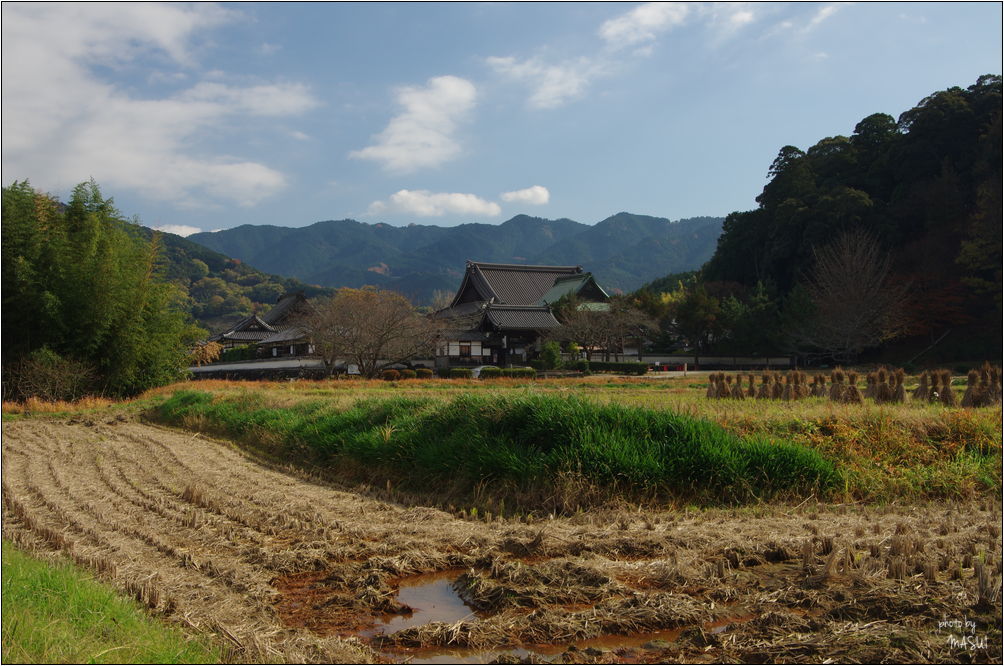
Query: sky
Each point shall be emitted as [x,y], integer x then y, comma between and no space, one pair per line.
[199,117]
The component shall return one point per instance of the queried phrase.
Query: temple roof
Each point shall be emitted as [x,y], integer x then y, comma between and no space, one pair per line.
[255,328]
[521,317]
[573,284]
[291,334]
[509,284]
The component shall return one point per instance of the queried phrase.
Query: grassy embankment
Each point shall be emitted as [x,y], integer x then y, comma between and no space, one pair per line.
[578,443]
[538,451]
[884,453]
[55,613]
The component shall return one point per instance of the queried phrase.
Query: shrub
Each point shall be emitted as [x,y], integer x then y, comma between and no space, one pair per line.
[408,374]
[460,373]
[550,355]
[46,375]
[390,375]
[529,373]
[245,353]
[490,372]
[423,373]
[622,367]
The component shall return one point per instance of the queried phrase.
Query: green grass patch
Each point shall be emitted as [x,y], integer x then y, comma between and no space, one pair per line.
[55,613]
[516,445]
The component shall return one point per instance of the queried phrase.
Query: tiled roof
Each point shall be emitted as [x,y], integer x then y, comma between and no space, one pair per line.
[515,284]
[521,317]
[569,285]
[284,307]
[287,335]
[239,331]
[458,334]
[246,336]
[468,309]
[271,322]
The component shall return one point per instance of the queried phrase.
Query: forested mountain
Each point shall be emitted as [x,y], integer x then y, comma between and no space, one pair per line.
[216,289]
[624,251]
[920,197]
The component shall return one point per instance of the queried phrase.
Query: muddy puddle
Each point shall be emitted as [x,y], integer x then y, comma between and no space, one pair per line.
[433,598]
[629,649]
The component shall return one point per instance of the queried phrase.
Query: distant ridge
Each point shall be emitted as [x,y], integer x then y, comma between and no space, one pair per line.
[623,251]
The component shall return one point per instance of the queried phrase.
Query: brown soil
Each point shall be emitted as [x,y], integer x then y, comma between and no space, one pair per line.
[285,568]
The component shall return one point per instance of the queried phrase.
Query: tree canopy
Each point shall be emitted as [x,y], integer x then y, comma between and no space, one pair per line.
[82,288]
[926,188]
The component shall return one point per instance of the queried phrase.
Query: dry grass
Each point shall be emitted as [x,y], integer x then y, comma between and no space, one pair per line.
[37,406]
[280,565]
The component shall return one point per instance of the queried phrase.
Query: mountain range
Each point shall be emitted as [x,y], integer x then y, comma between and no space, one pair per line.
[623,251]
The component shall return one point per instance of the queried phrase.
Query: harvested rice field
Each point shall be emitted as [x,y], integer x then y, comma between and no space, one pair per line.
[280,566]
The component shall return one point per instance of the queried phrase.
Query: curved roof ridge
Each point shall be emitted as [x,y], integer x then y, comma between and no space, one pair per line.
[525,267]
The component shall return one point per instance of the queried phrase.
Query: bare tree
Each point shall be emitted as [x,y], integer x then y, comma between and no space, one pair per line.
[441,299]
[370,328]
[856,304]
[605,329]
[585,327]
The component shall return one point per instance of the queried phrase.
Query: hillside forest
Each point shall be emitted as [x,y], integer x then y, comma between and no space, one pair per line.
[887,241]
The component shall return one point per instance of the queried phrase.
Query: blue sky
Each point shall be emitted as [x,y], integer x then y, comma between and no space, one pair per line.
[204,117]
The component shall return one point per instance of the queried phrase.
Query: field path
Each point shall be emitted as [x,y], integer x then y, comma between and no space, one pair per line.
[285,568]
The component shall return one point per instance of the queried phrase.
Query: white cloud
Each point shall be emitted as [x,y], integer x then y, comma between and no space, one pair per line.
[556,84]
[263,100]
[821,15]
[269,49]
[298,135]
[422,135]
[536,195]
[725,19]
[424,203]
[64,123]
[552,85]
[180,229]
[643,23]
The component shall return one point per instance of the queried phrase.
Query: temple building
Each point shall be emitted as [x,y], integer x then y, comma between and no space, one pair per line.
[501,311]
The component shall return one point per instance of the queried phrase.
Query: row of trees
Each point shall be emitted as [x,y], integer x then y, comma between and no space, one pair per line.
[85,308]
